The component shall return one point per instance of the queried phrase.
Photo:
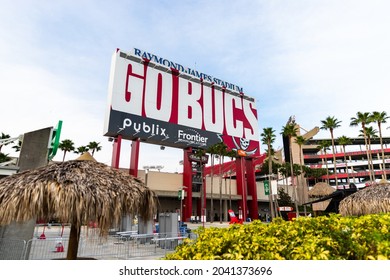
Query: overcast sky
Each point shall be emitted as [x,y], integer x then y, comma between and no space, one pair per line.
[309,59]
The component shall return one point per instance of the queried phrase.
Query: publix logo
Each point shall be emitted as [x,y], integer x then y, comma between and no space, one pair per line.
[143,127]
[191,137]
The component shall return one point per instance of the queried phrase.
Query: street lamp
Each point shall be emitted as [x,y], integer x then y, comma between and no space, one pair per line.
[182,194]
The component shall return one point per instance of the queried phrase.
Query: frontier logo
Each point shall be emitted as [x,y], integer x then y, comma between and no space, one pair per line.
[151,129]
[192,137]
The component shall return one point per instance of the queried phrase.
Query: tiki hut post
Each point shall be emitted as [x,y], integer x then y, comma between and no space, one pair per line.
[75,226]
[74,238]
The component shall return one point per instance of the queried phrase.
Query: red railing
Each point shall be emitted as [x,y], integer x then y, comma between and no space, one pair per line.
[341,155]
[357,174]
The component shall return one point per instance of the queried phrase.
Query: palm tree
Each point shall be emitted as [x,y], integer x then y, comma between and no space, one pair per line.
[379,118]
[316,173]
[344,141]
[370,133]
[4,157]
[300,140]
[363,119]
[283,169]
[324,146]
[268,138]
[290,130]
[66,146]
[3,136]
[330,123]
[18,146]
[82,149]
[94,146]
[221,151]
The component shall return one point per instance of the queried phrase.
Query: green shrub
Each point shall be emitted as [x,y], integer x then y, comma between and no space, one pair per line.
[322,238]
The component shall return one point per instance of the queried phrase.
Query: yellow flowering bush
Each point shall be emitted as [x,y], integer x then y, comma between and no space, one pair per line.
[321,238]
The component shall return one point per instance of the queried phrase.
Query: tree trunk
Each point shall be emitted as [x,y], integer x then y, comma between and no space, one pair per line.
[230,185]
[371,160]
[220,187]
[292,179]
[303,187]
[74,238]
[367,152]
[334,160]
[383,153]
[327,168]
[270,196]
[346,164]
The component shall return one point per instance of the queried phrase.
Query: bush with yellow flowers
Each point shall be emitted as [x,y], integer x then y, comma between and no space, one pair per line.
[330,237]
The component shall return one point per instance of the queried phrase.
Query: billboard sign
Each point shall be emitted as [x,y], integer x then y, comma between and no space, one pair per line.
[161,102]
[203,159]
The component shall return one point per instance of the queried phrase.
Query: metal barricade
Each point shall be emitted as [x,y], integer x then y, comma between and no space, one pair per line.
[12,249]
[46,249]
[92,245]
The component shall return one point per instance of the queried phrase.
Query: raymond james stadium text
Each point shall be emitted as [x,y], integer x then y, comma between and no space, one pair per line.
[180,68]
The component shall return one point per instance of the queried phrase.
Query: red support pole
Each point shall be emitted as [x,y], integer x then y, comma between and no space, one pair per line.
[187,182]
[116,152]
[252,189]
[134,157]
[241,186]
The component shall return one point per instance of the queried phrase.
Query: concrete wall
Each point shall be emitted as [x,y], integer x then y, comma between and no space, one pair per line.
[162,180]
[228,187]
[173,181]
[33,154]
[34,150]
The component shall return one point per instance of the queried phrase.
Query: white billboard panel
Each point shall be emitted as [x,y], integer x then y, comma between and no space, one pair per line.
[161,102]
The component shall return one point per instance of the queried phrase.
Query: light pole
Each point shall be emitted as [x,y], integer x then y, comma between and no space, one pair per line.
[182,194]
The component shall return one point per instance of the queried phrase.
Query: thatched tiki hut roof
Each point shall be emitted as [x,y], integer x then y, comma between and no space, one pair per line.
[370,200]
[76,191]
[321,189]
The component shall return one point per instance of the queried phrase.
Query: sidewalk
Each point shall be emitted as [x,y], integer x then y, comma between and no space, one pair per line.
[217,224]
